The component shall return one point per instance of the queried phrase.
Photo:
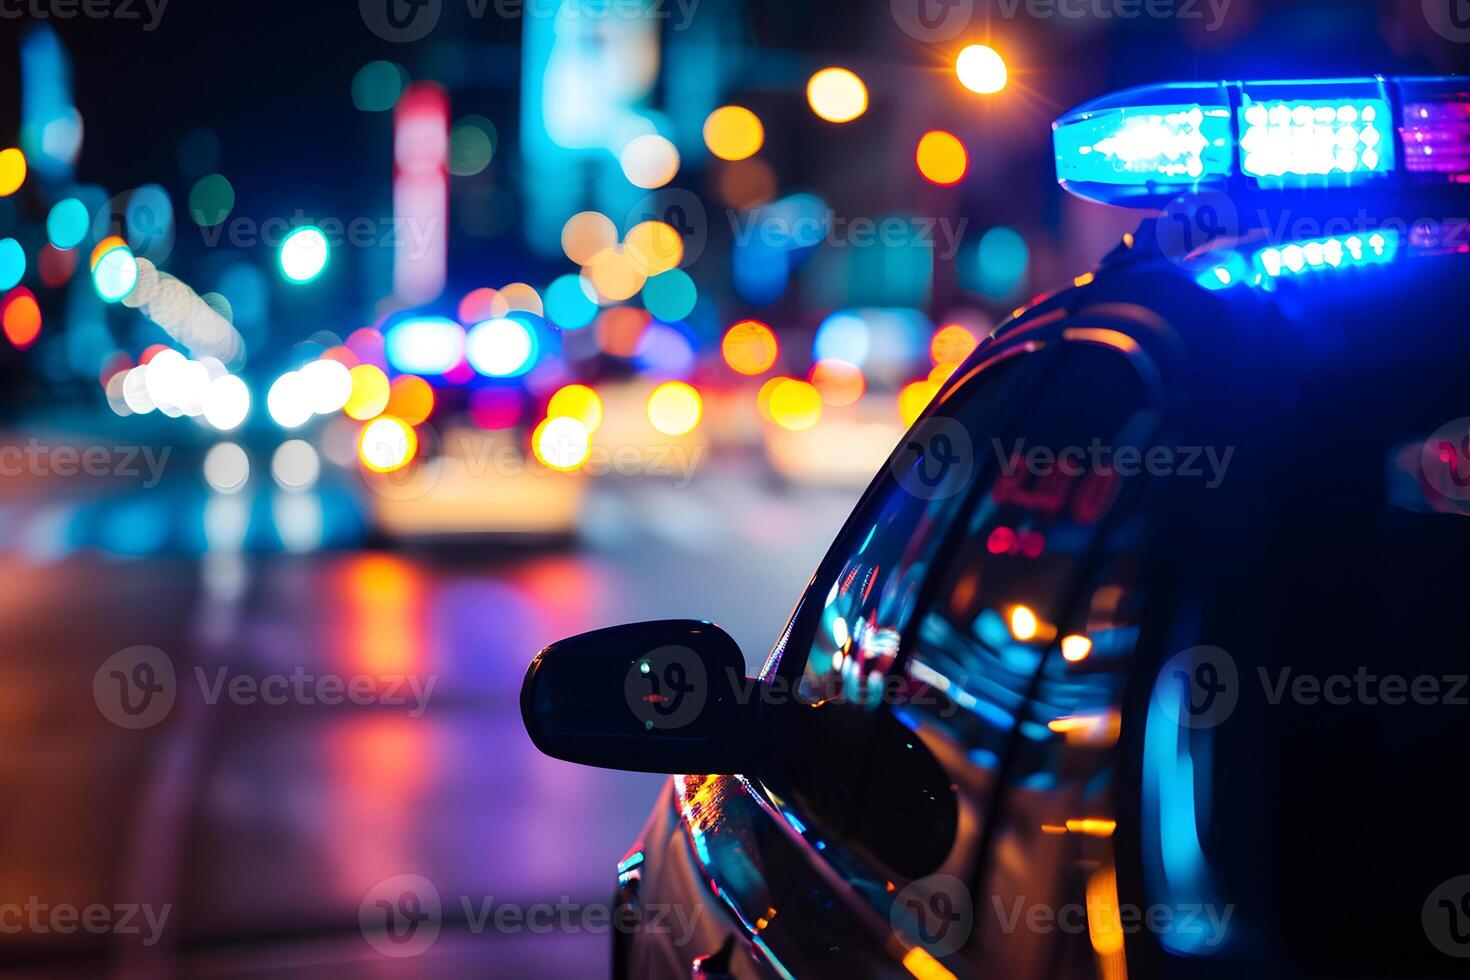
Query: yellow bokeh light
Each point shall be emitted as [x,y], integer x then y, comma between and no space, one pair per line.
[370,393]
[837,95]
[981,69]
[1075,648]
[410,398]
[562,443]
[12,171]
[649,161]
[951,344]
[106,245]
[577,402]
[750,347]
[913,398]
[941,158]
[839,382]
[733,132]
[1024,625]
[586,234]
[796,405]
[516,296]
[654,247]
[674,408]
[941,373]
[386,444]
[763,397]
[614,275]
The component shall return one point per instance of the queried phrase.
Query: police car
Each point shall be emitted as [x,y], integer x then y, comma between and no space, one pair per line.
[1144,654]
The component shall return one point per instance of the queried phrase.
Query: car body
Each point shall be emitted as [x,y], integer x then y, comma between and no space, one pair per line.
[1140,657]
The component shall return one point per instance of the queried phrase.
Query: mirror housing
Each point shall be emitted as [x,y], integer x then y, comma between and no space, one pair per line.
[666,696]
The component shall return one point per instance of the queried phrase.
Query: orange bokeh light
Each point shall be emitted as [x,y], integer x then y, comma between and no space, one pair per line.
[21,317]
[750,347]
[839,382]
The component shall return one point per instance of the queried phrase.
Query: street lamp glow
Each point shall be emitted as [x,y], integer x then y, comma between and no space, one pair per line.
[304,254]
[981,69]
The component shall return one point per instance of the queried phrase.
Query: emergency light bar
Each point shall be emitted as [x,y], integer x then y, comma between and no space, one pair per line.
[1144,146]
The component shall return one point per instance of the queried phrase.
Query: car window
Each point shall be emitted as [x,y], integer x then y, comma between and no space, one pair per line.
[847,631]
[997,637]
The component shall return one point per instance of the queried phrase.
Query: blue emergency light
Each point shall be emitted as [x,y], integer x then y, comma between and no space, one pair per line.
[1144,146]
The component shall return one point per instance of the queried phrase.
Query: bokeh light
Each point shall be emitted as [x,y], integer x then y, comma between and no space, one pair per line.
[941,158]
[56,265]
[370,393]
[578,402]
[913,398]
[620,330]
[1075,648]
[226,402]
[12,171]
[211,200]
[501,348]
[568,305]
[329,383]
[843,337]
[733,132]
[671,295]
[1023,623]
[295,465]
[377,86]
[1001,259]
[496,407]
[795,405]
[763,396]
[654,247]
[387,444]
[425,345]
[288,401]
[20,316]
[674,408]
[115,274]
[226,467]
[12,263]
[951,344]
[304,254]
[586,234]
[750,347]
[410,398]
[516,296]
[614,276]
[981,69]
[66,224]
[649,161]
[471,146]
[838,382]
[561,442]
[477,305]
[837,95]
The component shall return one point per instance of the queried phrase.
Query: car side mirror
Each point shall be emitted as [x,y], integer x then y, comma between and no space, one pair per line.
[665,696]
